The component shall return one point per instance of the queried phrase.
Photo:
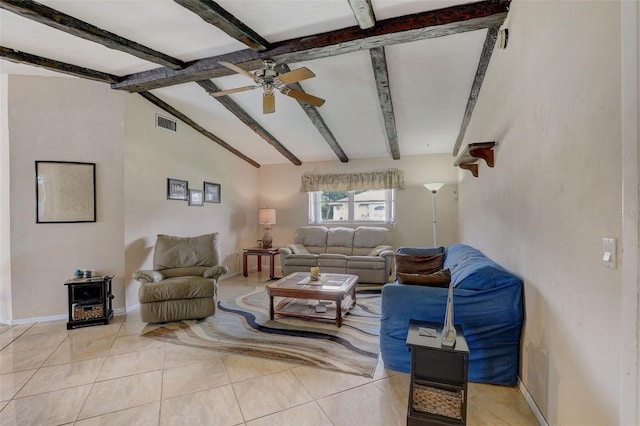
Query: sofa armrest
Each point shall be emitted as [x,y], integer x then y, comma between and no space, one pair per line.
[378,250]
[215,272]
[285,251]
[148,276]
[387,254]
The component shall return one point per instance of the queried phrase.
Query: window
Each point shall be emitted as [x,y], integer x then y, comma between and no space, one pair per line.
[370,206]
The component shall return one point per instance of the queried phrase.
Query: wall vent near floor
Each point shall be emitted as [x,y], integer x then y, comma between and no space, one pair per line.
[166,123]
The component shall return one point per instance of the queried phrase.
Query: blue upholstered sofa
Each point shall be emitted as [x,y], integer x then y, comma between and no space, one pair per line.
[487,303]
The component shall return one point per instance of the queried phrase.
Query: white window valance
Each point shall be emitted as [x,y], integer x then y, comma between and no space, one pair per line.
[387,179]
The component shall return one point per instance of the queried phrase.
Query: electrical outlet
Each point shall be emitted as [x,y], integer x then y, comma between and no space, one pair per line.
[609,252]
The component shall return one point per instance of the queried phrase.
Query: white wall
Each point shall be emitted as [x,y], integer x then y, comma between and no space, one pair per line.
[279,188]
[63,119]
[68,119]
[151,156]
[5,206]
[552,101]
[630,260]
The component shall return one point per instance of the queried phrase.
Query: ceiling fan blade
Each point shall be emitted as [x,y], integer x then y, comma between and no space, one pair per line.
[296,75]
[304,97]
[238,69]
[230,91]
[268,104]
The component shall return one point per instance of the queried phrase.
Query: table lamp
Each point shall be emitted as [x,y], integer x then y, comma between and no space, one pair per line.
[267,217]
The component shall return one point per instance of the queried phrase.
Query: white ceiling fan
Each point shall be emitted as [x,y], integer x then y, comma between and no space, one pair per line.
[271,80]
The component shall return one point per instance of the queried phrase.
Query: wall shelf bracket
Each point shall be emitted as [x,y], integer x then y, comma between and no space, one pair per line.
[473,168]
[468,159]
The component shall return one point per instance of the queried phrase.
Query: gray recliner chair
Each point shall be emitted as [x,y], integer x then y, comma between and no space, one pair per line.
[184,281]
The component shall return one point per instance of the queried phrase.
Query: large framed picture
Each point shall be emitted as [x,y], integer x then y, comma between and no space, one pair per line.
[195,197]
[177,189]
[211,192]
[65,192]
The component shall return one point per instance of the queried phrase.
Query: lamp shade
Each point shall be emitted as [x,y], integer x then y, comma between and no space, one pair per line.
[267,216]
[433,187]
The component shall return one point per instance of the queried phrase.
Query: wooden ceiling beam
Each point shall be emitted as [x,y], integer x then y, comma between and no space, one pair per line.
[189,122]
[483,64]
[45,15]
[363,11]
[379,64]
[316,119]
[213,14]
[243,116]
[419,26]
[19,57]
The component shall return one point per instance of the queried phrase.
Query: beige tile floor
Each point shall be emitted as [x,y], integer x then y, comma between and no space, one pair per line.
[109,375]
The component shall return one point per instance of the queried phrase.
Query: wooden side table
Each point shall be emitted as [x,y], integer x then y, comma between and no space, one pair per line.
[89,301]
[257,251]
[439,374]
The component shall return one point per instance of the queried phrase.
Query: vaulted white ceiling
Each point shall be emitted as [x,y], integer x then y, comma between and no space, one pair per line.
[430,80]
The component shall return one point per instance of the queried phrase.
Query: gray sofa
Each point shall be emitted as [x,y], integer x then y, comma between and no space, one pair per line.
[183,283]
[365,251]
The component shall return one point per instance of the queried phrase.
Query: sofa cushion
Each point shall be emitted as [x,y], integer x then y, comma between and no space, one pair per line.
[367,237]
[340,240]
[176,288]
[197,271]
[180,252]
[419,263]
[314,238]
[441,278]
[332,260]
[302,260]
[365,262]
[472,270]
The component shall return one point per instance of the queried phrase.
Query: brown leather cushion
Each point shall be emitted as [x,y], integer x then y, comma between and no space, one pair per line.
[441,278]
[423,264]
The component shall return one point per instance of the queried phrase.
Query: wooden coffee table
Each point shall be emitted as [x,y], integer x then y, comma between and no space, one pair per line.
[299,292]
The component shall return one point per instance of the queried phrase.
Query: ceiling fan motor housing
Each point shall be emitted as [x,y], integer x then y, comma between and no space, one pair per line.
[267,77]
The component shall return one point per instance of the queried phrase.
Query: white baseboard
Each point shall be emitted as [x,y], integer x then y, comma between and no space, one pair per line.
[38,319]
[235,274]
[131,308]
[47,318]
[532,404]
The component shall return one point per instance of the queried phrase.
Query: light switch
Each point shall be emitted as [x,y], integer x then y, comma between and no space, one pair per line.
[609,252]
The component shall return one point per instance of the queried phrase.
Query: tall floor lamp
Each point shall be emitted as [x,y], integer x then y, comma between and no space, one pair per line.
[267,217]
[434,187]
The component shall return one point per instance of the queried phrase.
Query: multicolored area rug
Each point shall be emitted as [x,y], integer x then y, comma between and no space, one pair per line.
[242,326]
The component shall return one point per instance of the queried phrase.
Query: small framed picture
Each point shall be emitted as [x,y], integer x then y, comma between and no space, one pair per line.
[211,192]
[177,189]
[195,197]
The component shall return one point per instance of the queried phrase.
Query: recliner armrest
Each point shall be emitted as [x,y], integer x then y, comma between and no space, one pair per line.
[148,276]
[215,272]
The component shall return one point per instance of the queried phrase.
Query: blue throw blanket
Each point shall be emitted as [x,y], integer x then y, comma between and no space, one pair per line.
[487,304]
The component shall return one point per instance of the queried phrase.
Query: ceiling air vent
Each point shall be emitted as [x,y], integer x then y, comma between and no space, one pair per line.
[166,123]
